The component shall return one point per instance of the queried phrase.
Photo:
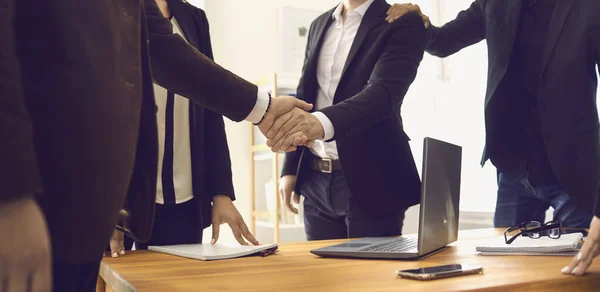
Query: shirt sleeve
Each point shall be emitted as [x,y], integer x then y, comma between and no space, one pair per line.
[260,108]
[328,129]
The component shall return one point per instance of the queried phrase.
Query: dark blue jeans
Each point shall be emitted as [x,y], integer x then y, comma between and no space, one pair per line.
[519,201]
[330,212]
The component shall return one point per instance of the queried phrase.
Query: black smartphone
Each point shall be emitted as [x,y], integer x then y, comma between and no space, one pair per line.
[439,272]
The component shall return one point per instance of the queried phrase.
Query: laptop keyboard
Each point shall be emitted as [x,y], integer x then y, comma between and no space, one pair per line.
[398,245]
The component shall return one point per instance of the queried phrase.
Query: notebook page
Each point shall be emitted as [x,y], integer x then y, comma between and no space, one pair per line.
[526,244]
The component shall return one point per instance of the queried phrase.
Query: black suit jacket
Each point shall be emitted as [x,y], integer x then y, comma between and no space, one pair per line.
[211,165]
[567,87]
[77,111]
[372,146]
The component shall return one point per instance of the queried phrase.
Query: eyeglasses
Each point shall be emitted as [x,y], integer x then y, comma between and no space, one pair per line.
[533,229]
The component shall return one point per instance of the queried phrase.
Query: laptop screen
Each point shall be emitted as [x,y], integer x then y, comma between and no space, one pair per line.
[440,193]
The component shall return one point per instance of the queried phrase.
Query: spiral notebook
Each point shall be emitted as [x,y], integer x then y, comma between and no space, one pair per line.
[567,244]
[211,252]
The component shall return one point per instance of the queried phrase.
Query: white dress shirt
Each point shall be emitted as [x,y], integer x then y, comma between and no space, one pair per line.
[332,59]
[182,158]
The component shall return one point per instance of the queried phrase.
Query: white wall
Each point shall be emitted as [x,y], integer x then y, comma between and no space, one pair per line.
[197,3]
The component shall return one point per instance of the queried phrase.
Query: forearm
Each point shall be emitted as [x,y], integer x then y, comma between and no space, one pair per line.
[368,108]
[18,167]
[467,29]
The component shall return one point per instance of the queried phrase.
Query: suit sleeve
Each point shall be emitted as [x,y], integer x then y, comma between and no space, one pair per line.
[390,79]
[18,166]
[181,68]
[467,29]
[292,159]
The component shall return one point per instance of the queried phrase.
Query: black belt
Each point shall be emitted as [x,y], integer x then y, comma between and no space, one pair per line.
[325,165]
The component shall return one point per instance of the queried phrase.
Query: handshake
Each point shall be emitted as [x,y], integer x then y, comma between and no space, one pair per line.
[287,124]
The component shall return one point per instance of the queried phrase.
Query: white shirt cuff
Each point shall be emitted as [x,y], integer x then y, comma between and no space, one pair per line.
[260,108]
[328,130]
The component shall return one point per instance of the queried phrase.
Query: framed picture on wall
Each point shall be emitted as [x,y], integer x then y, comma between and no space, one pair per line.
[293,27]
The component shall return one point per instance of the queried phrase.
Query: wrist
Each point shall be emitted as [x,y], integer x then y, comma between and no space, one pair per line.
[221,198]
[266,111]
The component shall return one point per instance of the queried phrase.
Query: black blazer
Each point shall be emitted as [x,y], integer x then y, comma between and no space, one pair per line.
[372,146]
[567,87]
[211,165]
[78,116]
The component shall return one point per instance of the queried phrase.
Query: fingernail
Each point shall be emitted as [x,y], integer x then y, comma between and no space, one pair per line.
[114,255]
[564,270]
[213,241]
[122,252]
[574,271]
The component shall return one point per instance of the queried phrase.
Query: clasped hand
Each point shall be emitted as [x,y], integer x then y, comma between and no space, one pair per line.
[288,124]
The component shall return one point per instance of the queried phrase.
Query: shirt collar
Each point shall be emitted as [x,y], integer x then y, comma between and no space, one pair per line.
[361,10]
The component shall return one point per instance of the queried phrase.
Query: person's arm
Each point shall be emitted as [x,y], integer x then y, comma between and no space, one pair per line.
[18,166]
[591,247]
[390,79]
[467,29]
[25,256]
[179,67]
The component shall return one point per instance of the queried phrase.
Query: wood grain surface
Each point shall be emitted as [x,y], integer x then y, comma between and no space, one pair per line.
[294,268]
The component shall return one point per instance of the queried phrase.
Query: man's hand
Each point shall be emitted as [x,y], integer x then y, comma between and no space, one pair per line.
[399,10]
[280,106]
[293,129]
[117,245]
[225,212]
[286,191]
[25,256]
[589,250]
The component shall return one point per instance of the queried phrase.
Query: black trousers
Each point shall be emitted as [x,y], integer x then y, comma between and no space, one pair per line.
[75,277]
[173,224]
[330,212]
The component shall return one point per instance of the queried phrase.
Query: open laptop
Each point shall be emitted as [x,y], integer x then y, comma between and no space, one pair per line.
[438,219]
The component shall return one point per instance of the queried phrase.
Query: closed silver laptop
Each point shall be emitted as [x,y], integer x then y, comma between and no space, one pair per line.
[438,218]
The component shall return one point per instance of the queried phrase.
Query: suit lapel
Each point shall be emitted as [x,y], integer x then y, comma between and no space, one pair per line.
[561,11]
[319,36]
[372,17]
[185,20]
[315,44]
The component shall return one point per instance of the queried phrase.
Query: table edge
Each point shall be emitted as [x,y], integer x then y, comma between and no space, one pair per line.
[114,280]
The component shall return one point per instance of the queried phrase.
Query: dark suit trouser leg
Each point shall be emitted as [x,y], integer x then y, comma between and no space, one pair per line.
[174,224]
[75,277]
[330,212]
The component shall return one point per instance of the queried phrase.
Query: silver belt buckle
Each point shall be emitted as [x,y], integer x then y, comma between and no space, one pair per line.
[328,162]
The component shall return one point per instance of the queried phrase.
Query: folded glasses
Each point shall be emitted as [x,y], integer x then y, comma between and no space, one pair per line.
[533,229]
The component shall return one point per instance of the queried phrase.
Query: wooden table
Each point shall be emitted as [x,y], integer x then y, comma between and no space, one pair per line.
[293,268]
